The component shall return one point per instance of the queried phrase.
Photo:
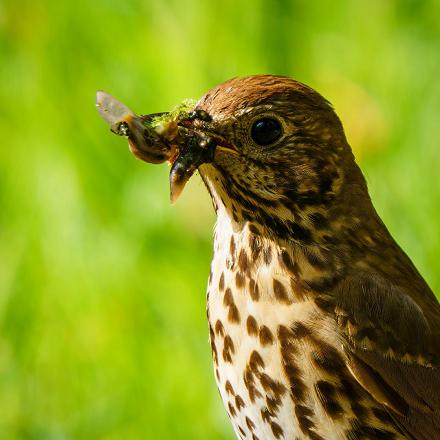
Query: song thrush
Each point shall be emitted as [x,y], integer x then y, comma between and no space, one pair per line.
[320,325]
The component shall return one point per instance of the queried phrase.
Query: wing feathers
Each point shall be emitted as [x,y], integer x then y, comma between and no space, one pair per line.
[396,363]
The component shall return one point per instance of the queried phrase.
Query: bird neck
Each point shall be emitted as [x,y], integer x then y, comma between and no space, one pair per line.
[323,242]
[250,247]
[313,236]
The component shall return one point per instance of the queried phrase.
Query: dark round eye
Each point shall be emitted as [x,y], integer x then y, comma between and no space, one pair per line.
[266,131]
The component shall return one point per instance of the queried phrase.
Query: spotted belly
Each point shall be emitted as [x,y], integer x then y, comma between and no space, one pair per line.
[278,365]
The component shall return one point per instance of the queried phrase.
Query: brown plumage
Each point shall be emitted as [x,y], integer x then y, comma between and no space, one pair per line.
[320,325]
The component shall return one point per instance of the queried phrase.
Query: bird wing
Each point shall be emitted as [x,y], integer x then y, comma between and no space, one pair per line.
[392,350]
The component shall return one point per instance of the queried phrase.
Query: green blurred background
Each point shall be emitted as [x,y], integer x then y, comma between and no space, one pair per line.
[102,282]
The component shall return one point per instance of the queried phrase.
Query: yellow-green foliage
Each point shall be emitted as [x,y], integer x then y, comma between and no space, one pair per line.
[178,111]
[103,332]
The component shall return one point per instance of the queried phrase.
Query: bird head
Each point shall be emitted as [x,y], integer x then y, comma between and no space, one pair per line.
[281,158]
[270,150]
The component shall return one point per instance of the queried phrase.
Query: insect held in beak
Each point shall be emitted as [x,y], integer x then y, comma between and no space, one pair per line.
[162,137]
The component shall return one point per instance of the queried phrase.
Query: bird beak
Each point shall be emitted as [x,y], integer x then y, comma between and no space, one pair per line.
[179,175]
[200,147]
[175,140]
[194,152]
[228,149]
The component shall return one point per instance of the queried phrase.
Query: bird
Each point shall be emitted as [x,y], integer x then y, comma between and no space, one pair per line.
[320,325]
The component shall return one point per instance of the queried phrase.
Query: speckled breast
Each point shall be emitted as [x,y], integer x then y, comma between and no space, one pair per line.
[278,364]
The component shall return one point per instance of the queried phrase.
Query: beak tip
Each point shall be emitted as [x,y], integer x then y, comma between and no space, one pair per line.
[175,191]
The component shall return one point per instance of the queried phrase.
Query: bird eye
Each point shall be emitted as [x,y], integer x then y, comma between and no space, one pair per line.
[266,131]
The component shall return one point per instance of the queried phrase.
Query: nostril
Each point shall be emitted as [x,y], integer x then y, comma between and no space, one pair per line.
[199,114]
[203,115]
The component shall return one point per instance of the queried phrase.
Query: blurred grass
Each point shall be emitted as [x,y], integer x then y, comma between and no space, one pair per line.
[102,314]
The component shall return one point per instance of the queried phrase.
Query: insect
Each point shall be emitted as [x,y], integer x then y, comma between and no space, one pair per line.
[161,137]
